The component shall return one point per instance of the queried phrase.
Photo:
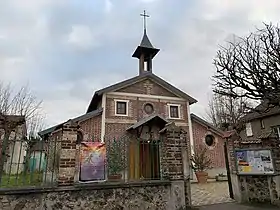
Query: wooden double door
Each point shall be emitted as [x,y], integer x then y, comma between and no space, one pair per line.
[144,161]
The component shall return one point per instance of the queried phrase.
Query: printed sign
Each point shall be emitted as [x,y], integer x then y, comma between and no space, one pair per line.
[254,162]
[92,161]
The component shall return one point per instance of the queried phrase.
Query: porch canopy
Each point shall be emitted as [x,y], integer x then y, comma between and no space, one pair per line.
[150,120]
[144,150]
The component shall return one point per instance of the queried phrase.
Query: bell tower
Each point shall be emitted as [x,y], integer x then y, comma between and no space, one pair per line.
[145,52]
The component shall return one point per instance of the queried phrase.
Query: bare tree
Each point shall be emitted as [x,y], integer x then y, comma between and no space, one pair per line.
[18,107]
[250,66]
[22,103]
[225,111]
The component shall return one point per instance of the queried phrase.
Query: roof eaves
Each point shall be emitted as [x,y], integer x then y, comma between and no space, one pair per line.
[88,115]
[77,119]
[173,89]
[122,84]
[157,79]
[204,122]
[145,120]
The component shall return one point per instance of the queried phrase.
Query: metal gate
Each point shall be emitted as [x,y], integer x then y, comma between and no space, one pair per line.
[228,171]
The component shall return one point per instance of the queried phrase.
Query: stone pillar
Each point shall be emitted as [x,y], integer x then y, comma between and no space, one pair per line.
[68,154]
[175,164]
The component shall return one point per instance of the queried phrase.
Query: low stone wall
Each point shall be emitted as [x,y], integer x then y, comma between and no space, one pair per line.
[138,196]
[255,188]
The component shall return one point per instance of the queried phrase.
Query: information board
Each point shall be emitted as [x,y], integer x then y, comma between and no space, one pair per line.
[254,162]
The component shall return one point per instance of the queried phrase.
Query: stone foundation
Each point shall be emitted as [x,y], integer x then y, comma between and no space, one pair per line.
[154,196]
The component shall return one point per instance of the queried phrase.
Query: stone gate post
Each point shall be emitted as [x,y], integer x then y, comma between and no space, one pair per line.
[260,187]
[68,154]
[175,163]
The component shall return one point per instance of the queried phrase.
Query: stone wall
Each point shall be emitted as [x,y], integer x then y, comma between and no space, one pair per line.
[170,193]
[255,188]
[153,196]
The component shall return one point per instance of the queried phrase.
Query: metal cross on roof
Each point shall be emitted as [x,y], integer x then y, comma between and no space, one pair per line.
[144,15]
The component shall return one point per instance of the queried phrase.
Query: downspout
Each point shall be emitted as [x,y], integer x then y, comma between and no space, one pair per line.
[190,128]
[191,138]
[103,118]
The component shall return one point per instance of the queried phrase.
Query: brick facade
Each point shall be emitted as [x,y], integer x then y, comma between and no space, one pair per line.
[68,154]
[147,86]
[91,128]
[138,94]
[119,124]
[136,107]
[217,152]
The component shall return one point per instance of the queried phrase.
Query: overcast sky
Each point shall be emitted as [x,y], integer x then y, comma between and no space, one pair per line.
[67,49]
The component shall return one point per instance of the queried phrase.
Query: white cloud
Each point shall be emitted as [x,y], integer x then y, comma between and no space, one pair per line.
[82,37]
[28,38]
[195,42]
[257,10]
[108,6]
[148,1]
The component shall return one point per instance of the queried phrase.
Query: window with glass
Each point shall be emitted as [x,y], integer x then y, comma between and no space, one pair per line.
[262,124]
[174,111]
[148,108]
[249,130]
[121,107]
[276,130]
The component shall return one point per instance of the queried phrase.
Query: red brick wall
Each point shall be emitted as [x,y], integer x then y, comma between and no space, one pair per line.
[115,130]
[217,153]
[117,125]
[91,128]
[140,88]
[136,112]
[136,106]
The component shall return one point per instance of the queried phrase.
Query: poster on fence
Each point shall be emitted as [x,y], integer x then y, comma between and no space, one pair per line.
[254,162]
[92,161]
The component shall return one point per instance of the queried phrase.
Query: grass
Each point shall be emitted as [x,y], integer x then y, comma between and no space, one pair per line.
[20,180]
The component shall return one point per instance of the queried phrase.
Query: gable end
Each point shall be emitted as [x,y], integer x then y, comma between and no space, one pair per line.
[148,87]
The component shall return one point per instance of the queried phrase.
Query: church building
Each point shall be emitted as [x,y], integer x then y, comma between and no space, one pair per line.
[142,106]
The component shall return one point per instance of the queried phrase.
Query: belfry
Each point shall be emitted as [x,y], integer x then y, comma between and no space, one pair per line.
[145,52]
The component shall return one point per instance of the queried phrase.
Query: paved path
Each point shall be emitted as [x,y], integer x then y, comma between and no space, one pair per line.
[235,206]
[210,193]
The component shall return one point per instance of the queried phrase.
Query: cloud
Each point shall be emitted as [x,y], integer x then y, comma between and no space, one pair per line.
[108,6]
[68,49]
[82,37]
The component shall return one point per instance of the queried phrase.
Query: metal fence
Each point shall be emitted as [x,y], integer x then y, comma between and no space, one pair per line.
[26,163]
[121,159]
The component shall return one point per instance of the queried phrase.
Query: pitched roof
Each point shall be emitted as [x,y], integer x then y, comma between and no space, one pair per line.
[262,110]
[145,41]
[205,123]
[77,119]
[147,75]
[145,48]
[267,134]
[146,120]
